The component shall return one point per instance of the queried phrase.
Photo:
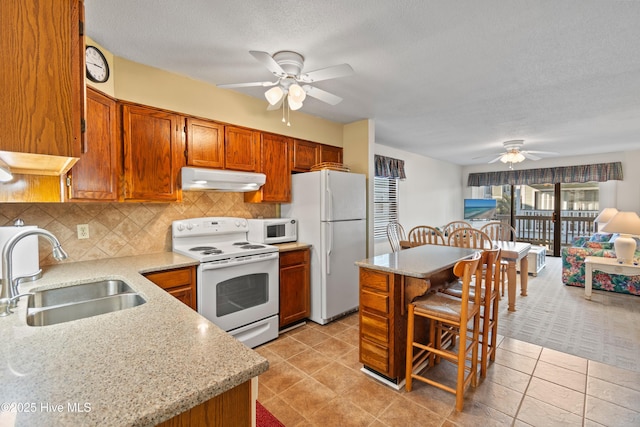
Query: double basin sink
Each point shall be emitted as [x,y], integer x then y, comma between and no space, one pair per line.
[52,306]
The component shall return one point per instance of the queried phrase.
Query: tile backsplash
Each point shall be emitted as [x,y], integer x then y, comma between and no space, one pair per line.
[121,229]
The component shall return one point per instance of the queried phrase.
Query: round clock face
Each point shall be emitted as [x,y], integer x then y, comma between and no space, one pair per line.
[96,63]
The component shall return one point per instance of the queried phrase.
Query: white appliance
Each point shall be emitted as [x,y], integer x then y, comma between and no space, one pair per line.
[330,207]
[220,180]
[273,230]
[237,280]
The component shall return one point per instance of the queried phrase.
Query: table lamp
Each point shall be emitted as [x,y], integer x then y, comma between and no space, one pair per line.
[604,217]
[627,224]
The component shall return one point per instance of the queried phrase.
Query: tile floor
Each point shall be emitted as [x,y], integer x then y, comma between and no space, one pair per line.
[314,379]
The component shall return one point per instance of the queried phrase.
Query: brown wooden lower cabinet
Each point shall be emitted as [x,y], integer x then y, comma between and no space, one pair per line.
[179,282]
[294,286]
[231,408]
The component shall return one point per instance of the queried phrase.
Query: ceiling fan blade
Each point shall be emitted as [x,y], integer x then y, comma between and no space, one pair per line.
[250,84]
[268,61]
[497,158]
[332,72]
[322,95]
[530,156]
[276,106]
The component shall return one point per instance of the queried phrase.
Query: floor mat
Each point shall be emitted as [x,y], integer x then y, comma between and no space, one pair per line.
[264,418]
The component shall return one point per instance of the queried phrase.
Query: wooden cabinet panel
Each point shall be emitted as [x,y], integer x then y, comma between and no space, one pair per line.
[231,408]
[374,355]
[241,148]
[329,153]
[294,286]
[375,280]
[205,143]
[95,175]
[375,301]
[179,282]
[152,148]
[304,154]
[274,162]
[374,327]
[42,80]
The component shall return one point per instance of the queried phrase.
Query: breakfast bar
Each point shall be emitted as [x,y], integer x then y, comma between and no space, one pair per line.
[387,284]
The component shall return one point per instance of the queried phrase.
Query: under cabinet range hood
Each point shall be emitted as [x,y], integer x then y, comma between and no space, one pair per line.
[199,179]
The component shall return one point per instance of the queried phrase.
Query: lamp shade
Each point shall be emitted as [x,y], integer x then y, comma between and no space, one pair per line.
[604,217]
[512,157]
[274,95]
[297,94]
[627,224]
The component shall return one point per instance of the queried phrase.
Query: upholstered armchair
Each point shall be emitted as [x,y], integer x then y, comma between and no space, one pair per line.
[599,244]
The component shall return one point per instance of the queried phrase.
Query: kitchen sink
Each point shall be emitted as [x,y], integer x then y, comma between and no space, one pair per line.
[52,306]
[78,293]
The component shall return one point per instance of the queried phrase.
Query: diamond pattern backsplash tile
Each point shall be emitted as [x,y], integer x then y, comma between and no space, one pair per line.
[121,229]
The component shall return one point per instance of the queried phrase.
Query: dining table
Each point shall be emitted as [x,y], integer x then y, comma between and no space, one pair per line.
[513,253]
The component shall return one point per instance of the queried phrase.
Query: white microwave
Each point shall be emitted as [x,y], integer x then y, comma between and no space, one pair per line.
[273,230]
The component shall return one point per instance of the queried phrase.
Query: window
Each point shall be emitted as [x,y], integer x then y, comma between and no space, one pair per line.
[385,205]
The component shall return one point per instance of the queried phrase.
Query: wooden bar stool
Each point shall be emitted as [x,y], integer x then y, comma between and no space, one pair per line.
[488,276]
[446,312]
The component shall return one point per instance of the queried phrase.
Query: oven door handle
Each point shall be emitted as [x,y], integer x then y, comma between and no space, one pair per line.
[216,266]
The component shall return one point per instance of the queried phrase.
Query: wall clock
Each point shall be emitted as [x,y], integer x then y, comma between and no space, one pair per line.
[96,65]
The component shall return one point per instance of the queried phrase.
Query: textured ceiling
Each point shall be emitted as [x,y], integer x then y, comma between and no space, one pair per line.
[446,79]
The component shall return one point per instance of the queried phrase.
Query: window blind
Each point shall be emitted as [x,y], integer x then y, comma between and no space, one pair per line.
[385,205]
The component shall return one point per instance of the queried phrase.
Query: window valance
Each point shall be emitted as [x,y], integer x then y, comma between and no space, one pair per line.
[390,168]
[565,174]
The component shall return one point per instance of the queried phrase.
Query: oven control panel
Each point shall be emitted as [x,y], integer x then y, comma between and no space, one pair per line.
[209,226]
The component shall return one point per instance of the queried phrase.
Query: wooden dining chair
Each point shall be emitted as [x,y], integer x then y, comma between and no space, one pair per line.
[488,276]
[501,231]
[446,312]
[395,234]
[454,225]
[425,235]
[468,237]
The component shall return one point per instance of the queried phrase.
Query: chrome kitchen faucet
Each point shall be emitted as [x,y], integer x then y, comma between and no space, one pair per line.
[9,291]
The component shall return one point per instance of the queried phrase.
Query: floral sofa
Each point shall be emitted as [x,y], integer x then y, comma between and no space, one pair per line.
[599,244]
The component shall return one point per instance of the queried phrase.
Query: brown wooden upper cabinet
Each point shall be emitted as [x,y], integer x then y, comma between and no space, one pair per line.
[274,162]
[153,153]
[205,143]
[241,148]
[95,175]
[304,154]
[42,84]
[329,153]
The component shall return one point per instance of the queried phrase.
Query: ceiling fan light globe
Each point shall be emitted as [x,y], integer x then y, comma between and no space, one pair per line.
[517,158]
[296,93]
[293,104]
[274,95]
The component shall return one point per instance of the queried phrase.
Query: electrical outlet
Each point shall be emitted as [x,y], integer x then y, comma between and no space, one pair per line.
[83,231]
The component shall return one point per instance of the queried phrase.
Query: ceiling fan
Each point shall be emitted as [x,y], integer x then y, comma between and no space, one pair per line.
[292,84]
[515,154]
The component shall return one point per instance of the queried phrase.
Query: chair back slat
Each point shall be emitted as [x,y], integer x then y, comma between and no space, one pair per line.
[453,225]
[500,231]
[425,235]
[470,238]
[395,233]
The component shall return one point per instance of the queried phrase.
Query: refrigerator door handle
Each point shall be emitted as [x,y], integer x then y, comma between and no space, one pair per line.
[329,246]
[329,201]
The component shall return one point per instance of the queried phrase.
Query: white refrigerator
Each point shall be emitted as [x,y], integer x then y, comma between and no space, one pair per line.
[330,207]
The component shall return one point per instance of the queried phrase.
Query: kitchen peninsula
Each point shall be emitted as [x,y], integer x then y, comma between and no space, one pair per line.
[387,284]
[138,366]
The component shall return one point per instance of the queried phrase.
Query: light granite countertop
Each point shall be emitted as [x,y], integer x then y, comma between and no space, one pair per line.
[137,367]
[420,261]
[292,246]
